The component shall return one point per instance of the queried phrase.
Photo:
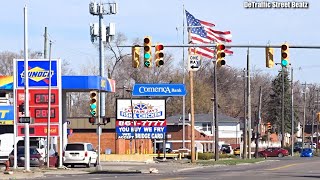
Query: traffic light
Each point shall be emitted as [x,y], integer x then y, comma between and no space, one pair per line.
[93,103]
[92,120]
[159,55]
[21,108]
[285,55]
[147,52]
[220,54]
[135,56]
[269,57]
[269,126]
[105,120]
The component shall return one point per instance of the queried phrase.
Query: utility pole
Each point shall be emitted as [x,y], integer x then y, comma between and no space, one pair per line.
[184,82]
[317,121]
[26,93]
[258,123]
[216,120]
[304,112]
[104,35]
[292,114]
[45,43]
[245,127]
[282,110]
[249,105]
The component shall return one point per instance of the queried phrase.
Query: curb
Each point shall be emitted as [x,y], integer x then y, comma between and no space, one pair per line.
[186,169]
[116,172]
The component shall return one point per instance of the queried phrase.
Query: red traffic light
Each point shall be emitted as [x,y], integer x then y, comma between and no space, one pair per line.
[284,47]
[93,94]
[92,120]
[221,47]
[146,40]
[159,47]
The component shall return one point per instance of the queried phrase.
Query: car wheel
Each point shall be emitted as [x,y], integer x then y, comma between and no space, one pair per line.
[72,165]
[280,155]
[89,163]
[96,163]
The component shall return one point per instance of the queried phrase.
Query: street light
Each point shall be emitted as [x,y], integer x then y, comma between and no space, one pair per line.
[133,120]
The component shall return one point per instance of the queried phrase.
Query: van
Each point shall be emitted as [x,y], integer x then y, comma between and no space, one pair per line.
[79,154]
[6,146]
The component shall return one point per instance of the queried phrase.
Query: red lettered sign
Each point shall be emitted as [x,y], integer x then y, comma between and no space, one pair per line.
[39,130]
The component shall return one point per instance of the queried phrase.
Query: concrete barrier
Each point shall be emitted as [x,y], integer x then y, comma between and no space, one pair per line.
[126,157]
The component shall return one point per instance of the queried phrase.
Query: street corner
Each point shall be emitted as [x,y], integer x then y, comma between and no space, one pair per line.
[21,174]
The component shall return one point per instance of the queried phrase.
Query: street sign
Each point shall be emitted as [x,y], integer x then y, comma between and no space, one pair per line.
[194,62]
[159,90]
[24,120]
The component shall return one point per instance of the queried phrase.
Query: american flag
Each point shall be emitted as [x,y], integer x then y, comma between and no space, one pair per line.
[202,33]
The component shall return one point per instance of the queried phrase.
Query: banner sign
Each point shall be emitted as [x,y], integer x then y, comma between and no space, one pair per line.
[143,109]
[131,129]
[38,73]
[141,123]
[6,115]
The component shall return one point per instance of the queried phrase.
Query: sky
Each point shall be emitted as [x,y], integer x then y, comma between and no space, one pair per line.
[68,27]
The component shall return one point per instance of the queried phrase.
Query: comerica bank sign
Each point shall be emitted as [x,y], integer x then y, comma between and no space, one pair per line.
[159,90]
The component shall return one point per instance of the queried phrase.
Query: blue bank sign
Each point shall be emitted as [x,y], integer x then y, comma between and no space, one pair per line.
[159,90]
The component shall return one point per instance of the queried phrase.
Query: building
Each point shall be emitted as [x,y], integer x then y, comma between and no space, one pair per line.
[229,131]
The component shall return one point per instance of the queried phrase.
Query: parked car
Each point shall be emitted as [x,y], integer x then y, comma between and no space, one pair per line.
[274,152]
[168,150]
[306,152]
[226,149]
[236,151]
[79,154]
[35,157]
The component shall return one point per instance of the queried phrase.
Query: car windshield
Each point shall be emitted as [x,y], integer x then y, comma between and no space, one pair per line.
[20,151]
[307,150]
[75,147]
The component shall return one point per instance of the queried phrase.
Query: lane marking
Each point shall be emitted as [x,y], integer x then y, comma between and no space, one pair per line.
[173,178]
[282,167]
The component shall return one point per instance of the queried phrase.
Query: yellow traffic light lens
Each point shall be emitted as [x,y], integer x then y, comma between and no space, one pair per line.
[161,55]
[146,48]
[284,55]
[93,101]
[222,54]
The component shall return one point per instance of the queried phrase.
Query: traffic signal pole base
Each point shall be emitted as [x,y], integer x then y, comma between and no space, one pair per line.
[98,167]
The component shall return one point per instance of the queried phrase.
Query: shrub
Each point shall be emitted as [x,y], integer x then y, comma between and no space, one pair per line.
[205,156]
[227,156]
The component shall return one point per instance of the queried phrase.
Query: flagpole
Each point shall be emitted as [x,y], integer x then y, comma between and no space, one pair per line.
[184,81]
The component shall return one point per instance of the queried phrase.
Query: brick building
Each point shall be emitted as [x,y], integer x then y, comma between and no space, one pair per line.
[229,132]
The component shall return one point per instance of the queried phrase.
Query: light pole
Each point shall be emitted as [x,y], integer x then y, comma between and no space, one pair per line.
[133,120]
[212,125]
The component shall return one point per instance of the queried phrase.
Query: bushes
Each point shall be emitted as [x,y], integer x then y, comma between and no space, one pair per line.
[208,156]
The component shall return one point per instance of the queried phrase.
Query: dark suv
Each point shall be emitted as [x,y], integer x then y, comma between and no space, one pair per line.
[297,147]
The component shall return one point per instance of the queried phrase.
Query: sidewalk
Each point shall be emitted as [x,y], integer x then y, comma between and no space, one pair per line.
[166,167]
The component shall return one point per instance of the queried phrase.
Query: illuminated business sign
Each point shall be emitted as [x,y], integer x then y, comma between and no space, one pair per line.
[38,73]
[143,109]
[6,115]
[36,130]
[38,104]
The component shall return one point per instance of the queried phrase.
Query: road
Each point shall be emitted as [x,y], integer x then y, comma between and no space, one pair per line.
[284,169]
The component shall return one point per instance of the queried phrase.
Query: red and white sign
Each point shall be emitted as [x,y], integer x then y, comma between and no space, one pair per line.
[39,130]
[38,104]
[141,123]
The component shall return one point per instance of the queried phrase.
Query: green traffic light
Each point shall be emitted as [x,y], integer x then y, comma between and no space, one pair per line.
[93,106]
[147,63]
[284,62]
[147,55]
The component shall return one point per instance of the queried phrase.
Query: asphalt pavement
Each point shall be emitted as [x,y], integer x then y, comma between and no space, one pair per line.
[288,168]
